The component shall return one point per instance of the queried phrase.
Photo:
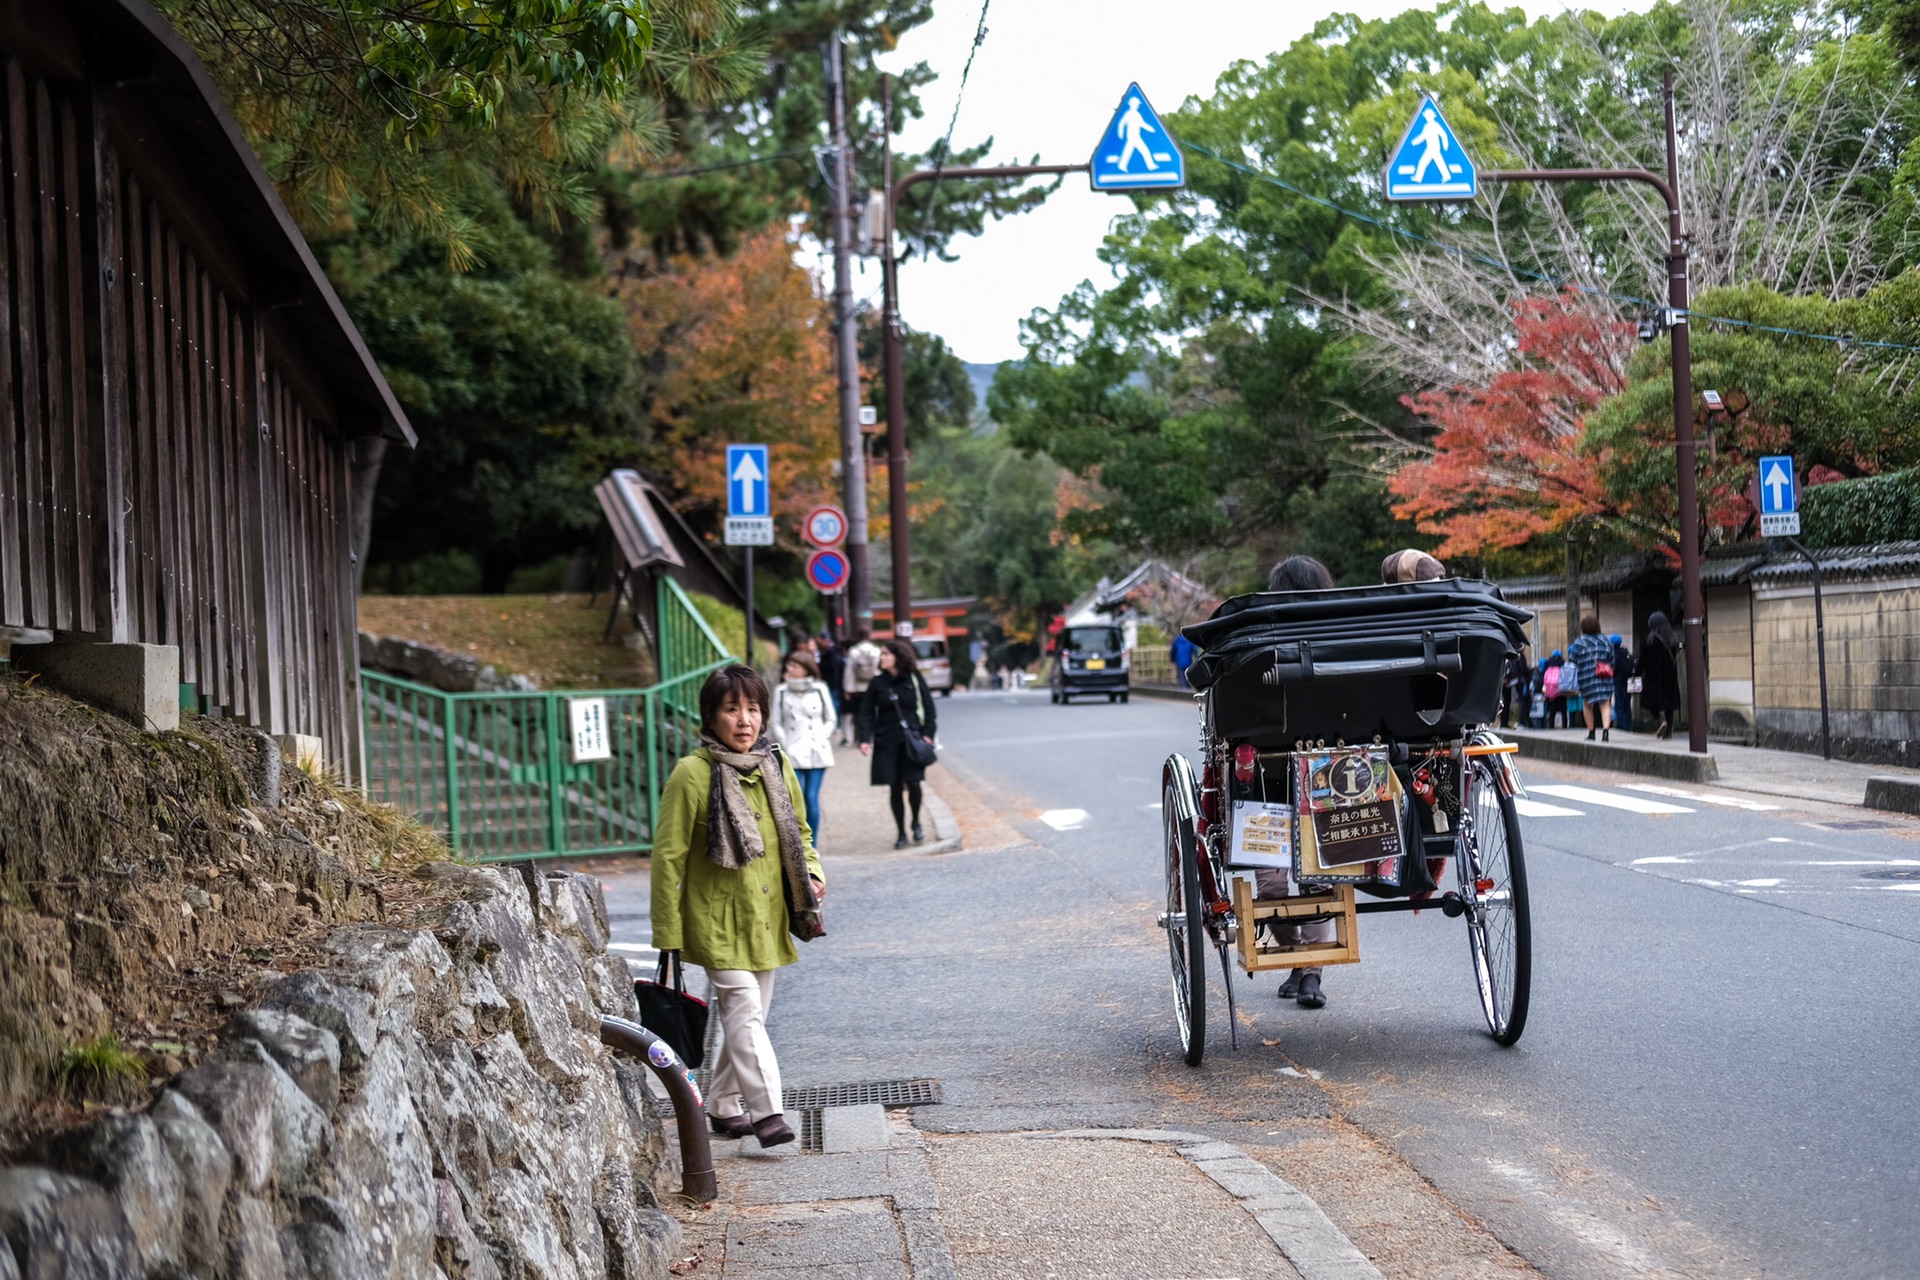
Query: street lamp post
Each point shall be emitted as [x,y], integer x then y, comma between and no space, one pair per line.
[896,370]
[1692,601]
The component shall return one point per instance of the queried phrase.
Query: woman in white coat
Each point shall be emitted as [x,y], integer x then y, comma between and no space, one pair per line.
[803,725]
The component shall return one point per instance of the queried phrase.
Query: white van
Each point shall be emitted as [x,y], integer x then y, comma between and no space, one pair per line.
[931,654]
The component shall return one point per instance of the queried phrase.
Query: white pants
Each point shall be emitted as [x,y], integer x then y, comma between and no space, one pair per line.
[746,1077]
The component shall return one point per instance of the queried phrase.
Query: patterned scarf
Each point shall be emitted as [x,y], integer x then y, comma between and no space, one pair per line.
[733,833]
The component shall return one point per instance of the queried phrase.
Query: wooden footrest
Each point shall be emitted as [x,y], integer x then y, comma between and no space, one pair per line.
[1257,954]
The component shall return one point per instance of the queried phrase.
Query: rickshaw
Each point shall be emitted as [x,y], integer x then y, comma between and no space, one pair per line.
[1345,753]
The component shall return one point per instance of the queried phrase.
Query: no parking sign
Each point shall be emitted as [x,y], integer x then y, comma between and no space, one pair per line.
[827,570]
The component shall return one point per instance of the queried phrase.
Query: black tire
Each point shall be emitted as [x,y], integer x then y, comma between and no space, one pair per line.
[1112,698]
[947,692]
[1124,697]
[1186,938]
[1053,696]
[1500,920]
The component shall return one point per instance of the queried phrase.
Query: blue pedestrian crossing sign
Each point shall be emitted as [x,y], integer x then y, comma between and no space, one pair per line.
[1429,163]
[747,480]
[1135,153]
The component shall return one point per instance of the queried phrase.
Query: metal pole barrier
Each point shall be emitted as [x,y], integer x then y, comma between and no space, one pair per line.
[1819,645]
[697,1181]
[747,657]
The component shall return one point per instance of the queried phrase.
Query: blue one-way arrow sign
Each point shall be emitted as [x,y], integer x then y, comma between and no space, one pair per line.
[1779,497]
[747,480]
[1429,163]
[1135,153]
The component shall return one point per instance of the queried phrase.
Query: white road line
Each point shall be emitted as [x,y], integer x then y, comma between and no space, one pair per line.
[1541,809]
[1759,884]
[1678,793]
[1609,799]
[1663,860]
[632,946]
[1065,819]
[1871,862]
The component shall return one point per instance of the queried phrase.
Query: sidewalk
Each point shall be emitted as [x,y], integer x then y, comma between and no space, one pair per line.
[854,814]
[1757,769]
[886,1202]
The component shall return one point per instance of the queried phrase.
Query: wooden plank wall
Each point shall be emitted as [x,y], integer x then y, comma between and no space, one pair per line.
[233,516]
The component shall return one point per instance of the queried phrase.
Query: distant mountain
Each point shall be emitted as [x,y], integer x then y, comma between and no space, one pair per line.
[982,377]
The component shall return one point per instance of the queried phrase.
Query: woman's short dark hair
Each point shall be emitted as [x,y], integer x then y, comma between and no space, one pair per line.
[1299,573]
[1589,625]
[903,660]
[802,659]
[724,684]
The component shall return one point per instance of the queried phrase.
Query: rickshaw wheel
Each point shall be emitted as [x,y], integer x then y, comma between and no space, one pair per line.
[1500,927]
[1186,932]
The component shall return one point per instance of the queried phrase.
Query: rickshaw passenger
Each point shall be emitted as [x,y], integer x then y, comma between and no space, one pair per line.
[1297,573]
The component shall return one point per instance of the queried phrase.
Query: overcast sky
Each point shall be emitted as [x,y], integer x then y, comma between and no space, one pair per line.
[1045,82]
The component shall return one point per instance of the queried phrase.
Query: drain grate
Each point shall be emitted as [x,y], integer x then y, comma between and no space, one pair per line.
[1893,873]
[888,1093]
[811,1138]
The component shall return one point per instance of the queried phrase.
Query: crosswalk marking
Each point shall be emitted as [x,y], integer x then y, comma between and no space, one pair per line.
[1541,809]
[1677,793]
[1606,799]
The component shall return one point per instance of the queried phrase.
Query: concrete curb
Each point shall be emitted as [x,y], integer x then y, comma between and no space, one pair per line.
[1896,795]
[1317,1248]
[1617,756]
[946,829]
[1172,693]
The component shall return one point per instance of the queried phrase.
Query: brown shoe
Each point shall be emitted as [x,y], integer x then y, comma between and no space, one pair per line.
[773,1130]
[730,1126]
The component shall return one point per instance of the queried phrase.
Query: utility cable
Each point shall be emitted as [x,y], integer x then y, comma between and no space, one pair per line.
[1590,290]
[946,143]
[723,166]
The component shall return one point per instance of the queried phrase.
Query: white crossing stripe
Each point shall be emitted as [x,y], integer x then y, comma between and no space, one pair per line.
[1541,809]
[1732,802]
[1607,799]
[1065,819]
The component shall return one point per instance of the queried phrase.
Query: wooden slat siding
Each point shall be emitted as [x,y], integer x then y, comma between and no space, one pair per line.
[13,605]
[48,405]
[110,391]
[193,599]
[171,381]
[297,495]
[143,527]
[59,438]
[159,483]
[342,644]
[262,583]
[239,546]
[33,370]
[76,141]
[220,448]
[206,584]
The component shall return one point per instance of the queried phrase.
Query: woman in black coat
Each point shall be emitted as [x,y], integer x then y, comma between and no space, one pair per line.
[1659,674]
[897,703]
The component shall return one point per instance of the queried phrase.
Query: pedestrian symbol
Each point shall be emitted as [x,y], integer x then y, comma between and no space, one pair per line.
[1429,163]
[1135,153]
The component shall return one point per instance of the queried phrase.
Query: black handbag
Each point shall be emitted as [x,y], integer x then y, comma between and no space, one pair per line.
[670,1013]
[919,750]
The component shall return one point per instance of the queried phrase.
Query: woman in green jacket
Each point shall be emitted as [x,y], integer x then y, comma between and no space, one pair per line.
[728,854]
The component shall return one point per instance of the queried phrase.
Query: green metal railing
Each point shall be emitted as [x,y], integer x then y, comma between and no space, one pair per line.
[492,771]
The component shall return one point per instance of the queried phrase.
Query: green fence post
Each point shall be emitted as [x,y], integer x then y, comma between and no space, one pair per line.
[451,720]
[556,780]
[653,775]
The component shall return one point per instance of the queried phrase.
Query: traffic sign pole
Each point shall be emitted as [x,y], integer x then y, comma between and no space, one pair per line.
[1692,598]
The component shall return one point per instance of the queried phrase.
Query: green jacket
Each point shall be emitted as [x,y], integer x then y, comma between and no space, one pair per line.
[714,917]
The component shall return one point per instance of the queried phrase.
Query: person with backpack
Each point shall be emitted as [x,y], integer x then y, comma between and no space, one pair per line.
[1554,690]
[802,722]
[862,665]
[832,660]
[897,703]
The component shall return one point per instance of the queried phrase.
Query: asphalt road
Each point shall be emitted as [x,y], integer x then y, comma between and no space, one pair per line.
[1716,1079]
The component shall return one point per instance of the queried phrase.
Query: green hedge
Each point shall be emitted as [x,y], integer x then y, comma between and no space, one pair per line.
[1853,513]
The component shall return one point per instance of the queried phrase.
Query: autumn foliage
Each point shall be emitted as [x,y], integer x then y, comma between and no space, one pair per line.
[738,348]
[1506,465]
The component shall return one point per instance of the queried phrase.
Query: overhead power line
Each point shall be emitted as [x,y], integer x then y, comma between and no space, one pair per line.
[1470,256]
[946,143]
[725,165]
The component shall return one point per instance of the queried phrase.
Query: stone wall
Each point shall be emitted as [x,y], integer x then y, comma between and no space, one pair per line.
[1873,667]
[428,1102]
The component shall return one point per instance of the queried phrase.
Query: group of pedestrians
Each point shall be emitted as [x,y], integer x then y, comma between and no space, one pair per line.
[1596,679]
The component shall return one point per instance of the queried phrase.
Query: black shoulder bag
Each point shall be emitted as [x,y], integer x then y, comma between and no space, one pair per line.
[919,750]
[670,1013]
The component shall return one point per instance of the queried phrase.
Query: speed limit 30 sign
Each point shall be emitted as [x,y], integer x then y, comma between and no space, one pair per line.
[825,526]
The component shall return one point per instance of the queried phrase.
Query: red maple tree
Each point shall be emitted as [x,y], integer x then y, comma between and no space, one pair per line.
[1506,465]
